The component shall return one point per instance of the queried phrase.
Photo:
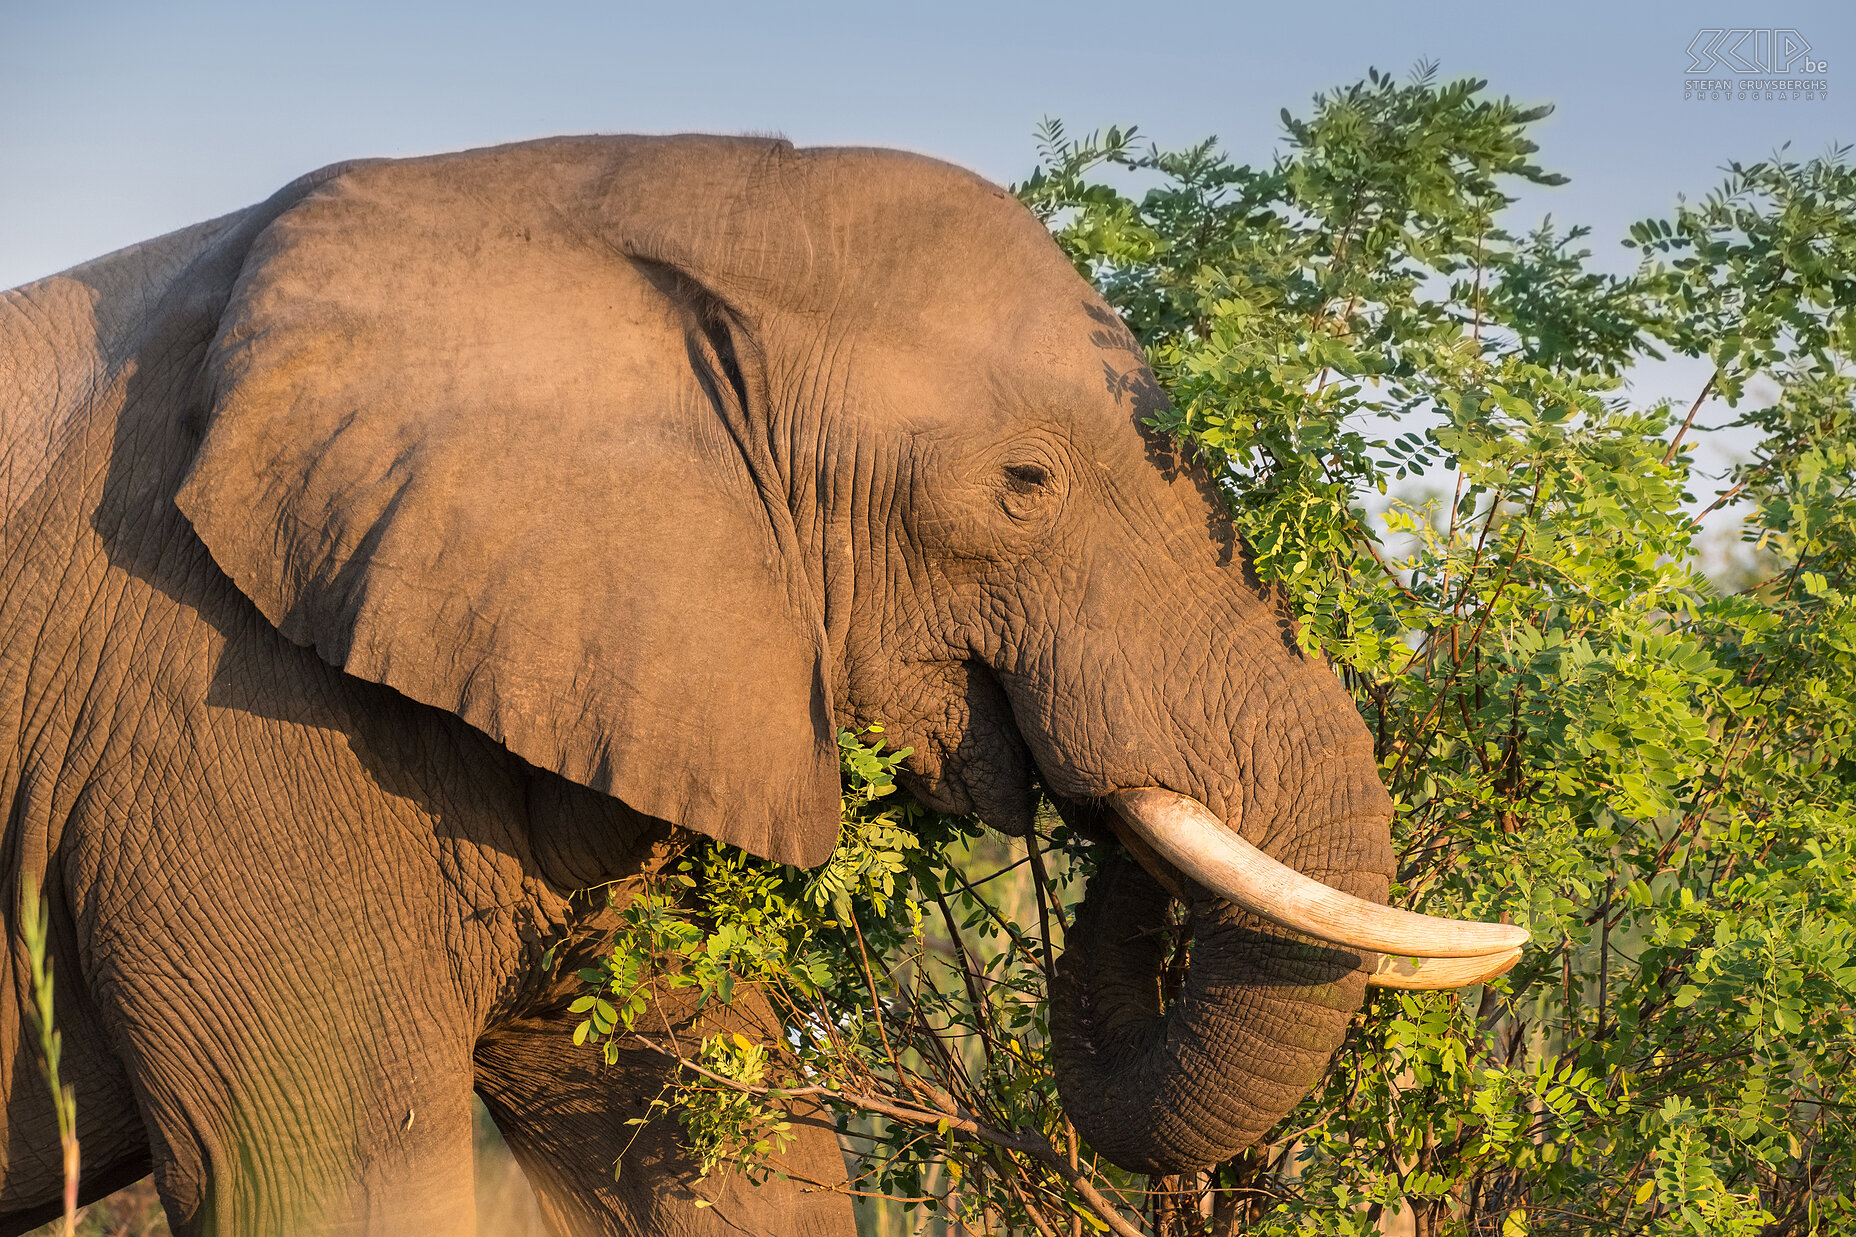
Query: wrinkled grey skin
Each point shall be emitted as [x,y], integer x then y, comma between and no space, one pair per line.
[389,560]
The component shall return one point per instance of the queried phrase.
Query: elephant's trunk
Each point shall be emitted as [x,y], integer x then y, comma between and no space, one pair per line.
[1175,1082]
[1166,1072]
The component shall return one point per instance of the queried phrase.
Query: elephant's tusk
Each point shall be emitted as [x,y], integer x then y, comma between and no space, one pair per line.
[1188,836]
[1390,971]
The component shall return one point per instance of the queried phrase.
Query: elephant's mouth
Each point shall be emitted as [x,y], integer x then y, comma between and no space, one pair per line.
[1174,836]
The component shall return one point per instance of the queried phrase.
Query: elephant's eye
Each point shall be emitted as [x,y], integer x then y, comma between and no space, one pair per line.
[1027,478]
[1031,492]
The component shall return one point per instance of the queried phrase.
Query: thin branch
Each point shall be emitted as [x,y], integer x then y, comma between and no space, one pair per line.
[1720,502]
[1706,387]
[842,1188]
[1033,1145]
[876,1003]
[1022,941]
[1039,884]
[982,1010]
[1372,551]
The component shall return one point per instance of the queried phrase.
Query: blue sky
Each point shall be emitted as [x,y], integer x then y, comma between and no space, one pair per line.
[118,122]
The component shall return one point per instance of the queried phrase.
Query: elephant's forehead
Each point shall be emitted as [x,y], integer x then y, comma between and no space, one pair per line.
[1076,363]
[1070,376]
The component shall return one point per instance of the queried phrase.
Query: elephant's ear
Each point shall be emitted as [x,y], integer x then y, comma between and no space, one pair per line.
[462,448]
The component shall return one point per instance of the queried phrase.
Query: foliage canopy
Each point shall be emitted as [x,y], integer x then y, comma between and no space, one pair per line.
[1423,420]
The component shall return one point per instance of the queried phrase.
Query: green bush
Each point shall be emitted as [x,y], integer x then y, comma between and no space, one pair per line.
[1423,421]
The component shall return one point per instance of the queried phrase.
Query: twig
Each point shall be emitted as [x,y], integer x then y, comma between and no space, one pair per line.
[1706,387]
[982,1011]
[1372,550]
[1039,883]
[1071,1143]
[876,1001]
[1720,502]
[844,1188]
[1604,962]
[1501,586]
[1008,1173]
[1033,1145]
[1004,926]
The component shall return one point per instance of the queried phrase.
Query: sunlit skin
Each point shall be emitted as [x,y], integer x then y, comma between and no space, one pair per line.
[388,561]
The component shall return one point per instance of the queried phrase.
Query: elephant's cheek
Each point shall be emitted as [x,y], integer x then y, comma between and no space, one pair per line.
[971,760]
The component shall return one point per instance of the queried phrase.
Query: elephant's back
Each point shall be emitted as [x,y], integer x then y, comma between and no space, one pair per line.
[64,339]
[106,357]
[73,354]
[88,358]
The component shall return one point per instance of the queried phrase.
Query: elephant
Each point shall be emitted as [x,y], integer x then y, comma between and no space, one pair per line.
[387,562]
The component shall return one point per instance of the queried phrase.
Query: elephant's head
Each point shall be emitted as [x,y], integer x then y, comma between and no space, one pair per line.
[660,459]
